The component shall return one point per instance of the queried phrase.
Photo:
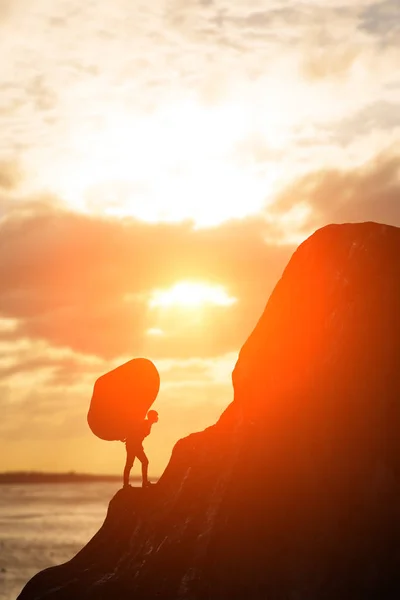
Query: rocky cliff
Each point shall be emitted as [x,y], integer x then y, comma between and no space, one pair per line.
[294,493]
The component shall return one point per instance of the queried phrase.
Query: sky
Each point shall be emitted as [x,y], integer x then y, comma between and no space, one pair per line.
[160,160]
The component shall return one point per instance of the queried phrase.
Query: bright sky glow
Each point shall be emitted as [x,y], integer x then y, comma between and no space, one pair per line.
[119,114]
[191,294]
[176,164]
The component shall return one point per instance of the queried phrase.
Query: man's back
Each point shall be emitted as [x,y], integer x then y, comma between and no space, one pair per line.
[138,431]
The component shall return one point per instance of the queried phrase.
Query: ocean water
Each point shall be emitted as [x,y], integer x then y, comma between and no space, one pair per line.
[42,525]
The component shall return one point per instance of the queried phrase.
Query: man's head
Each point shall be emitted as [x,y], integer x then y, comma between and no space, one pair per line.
[152,416]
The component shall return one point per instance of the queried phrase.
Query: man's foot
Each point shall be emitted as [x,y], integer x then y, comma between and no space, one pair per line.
[146,484]
[126,486]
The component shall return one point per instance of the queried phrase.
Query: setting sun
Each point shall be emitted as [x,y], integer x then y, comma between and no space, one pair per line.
[191,294]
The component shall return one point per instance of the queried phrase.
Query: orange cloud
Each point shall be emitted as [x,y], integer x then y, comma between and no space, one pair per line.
[85,283]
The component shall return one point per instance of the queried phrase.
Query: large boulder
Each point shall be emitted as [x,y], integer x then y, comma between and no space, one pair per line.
[122,397]
[294,493]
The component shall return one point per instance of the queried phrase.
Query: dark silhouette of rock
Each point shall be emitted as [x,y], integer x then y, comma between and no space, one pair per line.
[122,397]
[294,492]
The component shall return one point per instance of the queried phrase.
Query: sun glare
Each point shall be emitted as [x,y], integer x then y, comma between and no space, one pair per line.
[191,294]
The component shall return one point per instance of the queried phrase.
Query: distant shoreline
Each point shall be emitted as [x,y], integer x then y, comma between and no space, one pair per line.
[71,477]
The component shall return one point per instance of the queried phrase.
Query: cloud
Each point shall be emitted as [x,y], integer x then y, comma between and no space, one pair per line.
[379,116]
[73,65]
[36,362]
[10,175]
[382,19]
[369,193]
[84,283]
[5,9]
[55,436]
[45,394]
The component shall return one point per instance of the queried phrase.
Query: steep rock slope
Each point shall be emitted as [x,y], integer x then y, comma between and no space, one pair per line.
[295,491]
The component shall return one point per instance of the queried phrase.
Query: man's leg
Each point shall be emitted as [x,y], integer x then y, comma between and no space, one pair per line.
[145,465]
[130,457]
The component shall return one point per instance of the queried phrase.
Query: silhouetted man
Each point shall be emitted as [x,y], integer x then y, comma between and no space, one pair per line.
[134,447]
